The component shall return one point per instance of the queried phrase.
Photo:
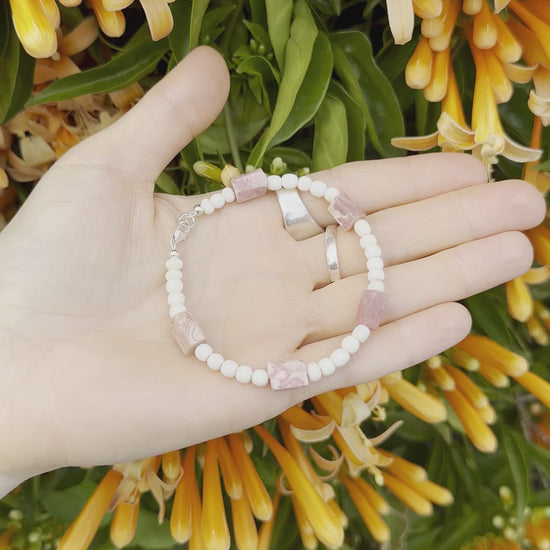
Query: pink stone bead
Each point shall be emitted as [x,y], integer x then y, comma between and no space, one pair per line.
[287,375]
[371,308]
[345,211]
[249,186]
[187,332]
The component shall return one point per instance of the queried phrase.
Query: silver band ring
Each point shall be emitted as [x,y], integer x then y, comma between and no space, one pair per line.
[332,254]
[296,217]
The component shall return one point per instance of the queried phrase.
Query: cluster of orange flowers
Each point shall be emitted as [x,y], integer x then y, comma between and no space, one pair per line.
[37,23]
[496,46]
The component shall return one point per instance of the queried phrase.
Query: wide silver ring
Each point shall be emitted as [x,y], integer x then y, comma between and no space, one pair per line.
[332,254]
[296,217]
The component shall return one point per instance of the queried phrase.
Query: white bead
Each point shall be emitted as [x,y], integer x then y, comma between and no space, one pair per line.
[331,193]
[289,181]
[375,263]
[376,285]
[304,183]
[229,368]
[178,308]
[361,228]
[340,357]
[350,344]
[372,251]
[174,263]
[327,366]
[243,374]
[176,298]
[367,240]
[174,285]
[228,194]
[178,234]
[174,274]
[376,275]
[318,188]
[314,372]
[361,332]
[215,361]
[260,378]
[207,206]
[203,352]
[274,183]
[217,200]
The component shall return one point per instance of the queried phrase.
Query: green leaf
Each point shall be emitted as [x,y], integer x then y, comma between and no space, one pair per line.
[356,122]
[519,467]
[124,69]
[197,13]
[151,535]
[299,50]
[166,184]
[260,35]
[294,158]
[330,142]
[16,76]
[358,70]
[5,26]
[311,92]
[180,39]
[463,529]
[260,68]
[279,14]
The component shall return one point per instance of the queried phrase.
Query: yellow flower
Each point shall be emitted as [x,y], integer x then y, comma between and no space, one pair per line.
[520,302]
[83,529]
[180,518]
[35,24]
[401,19]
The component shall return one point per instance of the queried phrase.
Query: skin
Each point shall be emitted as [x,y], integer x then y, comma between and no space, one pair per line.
[90,373]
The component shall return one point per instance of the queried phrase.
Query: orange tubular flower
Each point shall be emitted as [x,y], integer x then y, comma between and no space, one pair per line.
[520,302]
[407,495]
[112,23]
[35,25]
[83,529]
[159,17]
[214,528]
[244,526]
[180,519]
[535,385]
[257,494]
[323,520]
[124,523]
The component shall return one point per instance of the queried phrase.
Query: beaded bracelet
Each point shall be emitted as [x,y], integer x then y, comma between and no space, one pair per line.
[292,373]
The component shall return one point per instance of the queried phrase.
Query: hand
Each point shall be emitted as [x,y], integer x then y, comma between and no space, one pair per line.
[89,371]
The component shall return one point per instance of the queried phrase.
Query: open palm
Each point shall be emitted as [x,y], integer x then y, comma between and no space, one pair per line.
[90,373]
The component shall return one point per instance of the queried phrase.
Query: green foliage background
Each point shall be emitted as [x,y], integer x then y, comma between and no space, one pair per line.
[316,83]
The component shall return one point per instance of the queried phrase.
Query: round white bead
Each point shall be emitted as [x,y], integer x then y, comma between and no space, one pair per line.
[174,274]
[229,368]
[372,251]
[174,285]
[361,227]
[375,263]
[327,366]
[314,372]
[243,374]
[260,378]
[178,308]
[331,193]
[215,361]
[176,298]
[274,183]
[340,357]
[289,181]
[228,194]
[318,188]
[376,285]
[361,332]
[174,263]
[376,275]
[217,200]
[304,183]
[367,240]
[207,206]
[203,352]
[350,344]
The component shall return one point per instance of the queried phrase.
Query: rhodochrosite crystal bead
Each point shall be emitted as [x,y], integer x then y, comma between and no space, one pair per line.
[292,373]
[187,332]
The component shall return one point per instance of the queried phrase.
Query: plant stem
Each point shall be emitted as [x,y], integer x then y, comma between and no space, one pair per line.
[235,16]
[231,137]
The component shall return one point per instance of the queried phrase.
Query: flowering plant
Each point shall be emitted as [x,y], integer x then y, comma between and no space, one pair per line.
[401,462]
